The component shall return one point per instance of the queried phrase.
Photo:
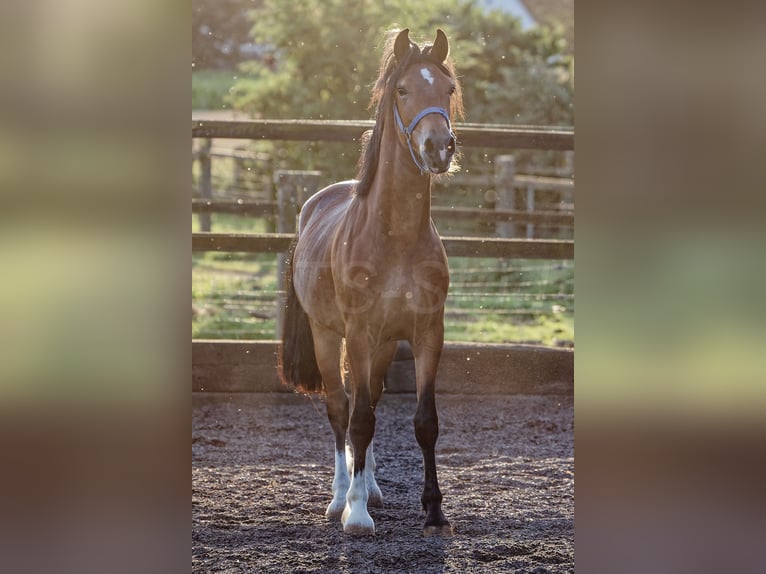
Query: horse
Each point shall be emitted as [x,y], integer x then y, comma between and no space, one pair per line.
[368,269]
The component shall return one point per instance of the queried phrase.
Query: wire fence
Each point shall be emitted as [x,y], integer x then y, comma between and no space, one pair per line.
[235,297]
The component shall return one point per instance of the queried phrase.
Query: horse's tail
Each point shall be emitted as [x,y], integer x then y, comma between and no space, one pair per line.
[297,363]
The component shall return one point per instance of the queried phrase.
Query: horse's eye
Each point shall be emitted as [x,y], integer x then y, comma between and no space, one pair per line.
[401,91]
[451,90]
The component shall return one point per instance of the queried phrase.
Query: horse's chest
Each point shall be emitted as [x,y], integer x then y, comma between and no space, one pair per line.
[390,290]
[397,283]
[410,289]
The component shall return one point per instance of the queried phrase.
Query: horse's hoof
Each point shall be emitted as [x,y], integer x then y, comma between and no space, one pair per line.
[335,509]
[438,530]
[359,530]
[357,522]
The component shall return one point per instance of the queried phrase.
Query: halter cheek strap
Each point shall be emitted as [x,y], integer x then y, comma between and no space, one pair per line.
[413,124]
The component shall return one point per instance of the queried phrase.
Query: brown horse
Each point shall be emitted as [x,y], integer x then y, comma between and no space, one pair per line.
[368,267]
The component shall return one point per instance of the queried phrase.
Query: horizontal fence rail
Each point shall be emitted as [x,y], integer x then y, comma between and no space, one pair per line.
[476,368]
[521,180]
[455,246]
[270,208]
[236,207]
[482,215]
[471,135]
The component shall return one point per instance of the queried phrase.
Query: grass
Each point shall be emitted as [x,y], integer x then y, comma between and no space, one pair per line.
[502,301]
[546,330]
[233,296]
[224,223]
[490,300]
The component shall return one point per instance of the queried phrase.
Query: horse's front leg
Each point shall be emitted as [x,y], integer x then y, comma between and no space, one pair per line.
[427,352]
[356,519]
[380,362]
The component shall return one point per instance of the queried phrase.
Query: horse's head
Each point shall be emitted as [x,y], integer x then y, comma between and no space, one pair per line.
[422,104]
[417,94]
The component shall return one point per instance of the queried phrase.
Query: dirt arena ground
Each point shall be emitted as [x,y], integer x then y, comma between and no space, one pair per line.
[262,466]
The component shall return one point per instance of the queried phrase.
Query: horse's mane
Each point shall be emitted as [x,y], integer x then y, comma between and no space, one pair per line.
[383,90]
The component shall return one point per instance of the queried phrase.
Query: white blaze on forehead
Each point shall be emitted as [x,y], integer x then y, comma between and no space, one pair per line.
[427,76]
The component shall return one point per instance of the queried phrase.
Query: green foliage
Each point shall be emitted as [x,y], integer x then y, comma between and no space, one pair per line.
[210,87]
[326,62]
[326,55]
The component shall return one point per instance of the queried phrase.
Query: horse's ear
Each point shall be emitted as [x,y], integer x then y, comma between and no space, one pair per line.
[402,44]
[440,49]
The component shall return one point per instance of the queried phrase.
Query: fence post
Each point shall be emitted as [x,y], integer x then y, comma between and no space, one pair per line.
[505,172]
[294,187]
[287,201]
[308,185]
[206,181]
[237,169]
[530,209]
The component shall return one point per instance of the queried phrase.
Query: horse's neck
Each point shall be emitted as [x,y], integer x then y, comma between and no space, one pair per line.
[400,197]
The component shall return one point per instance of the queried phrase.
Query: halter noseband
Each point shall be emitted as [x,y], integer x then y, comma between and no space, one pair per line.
[413,124]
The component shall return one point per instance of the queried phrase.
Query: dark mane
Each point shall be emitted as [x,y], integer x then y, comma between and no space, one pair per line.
[382,94]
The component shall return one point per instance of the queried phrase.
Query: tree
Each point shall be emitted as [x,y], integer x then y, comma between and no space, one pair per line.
[327,52]
[219,29]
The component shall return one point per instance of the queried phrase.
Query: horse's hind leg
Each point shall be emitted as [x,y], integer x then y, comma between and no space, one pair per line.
[427,353]
[327,350]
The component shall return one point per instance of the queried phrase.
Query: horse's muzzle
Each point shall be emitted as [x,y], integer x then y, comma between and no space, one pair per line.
[437,152]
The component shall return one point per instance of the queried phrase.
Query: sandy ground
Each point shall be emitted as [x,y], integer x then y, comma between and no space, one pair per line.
[262,467]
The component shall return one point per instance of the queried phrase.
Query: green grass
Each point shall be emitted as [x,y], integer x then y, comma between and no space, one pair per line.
[551,330]
[211,88]
[490,300]
[226,223]
[233,296]
[502,301]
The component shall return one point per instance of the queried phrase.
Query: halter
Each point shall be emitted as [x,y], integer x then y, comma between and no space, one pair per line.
[413,124]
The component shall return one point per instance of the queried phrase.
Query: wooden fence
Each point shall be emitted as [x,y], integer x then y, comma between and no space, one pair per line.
[470,368]
[249,366]
[514,212]
[504,217]
[476,135]
[455,246]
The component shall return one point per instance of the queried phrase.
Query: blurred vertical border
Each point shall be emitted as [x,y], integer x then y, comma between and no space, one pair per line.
[670,397]
[94,283]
